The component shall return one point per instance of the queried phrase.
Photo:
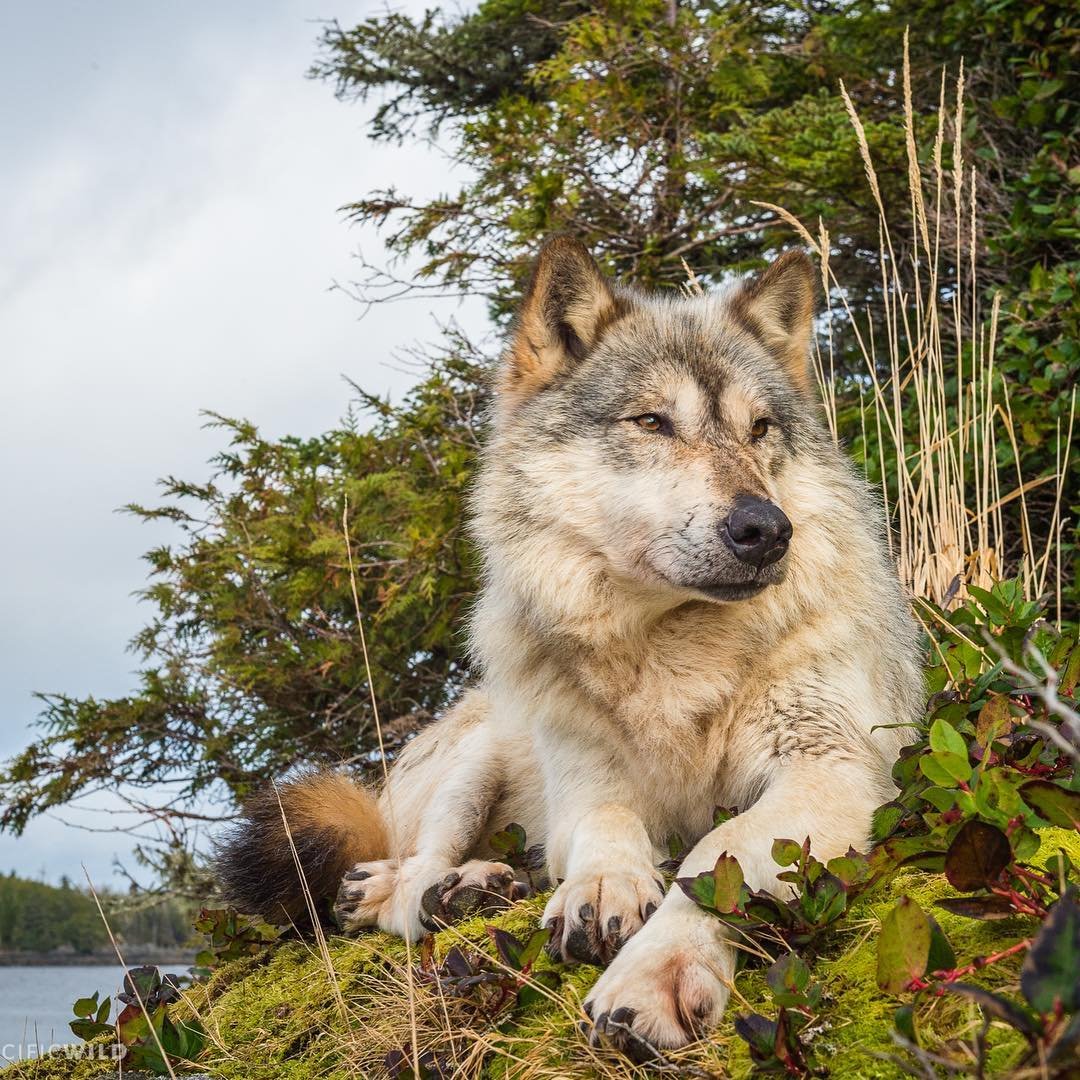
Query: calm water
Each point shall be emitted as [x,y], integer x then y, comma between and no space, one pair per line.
[35,1004]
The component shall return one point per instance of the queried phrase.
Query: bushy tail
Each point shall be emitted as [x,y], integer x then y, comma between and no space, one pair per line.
[334,822]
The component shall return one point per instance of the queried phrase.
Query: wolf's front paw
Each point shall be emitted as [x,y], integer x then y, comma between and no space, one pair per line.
[474,888]
[591,916]
[664,990]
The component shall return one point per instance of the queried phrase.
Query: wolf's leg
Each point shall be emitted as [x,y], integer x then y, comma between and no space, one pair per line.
[599,848]
[437,803]
[671,982]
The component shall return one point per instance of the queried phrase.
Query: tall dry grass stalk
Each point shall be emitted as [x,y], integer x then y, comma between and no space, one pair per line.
[946,497]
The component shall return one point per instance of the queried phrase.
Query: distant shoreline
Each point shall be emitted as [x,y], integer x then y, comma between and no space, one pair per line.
[135,958]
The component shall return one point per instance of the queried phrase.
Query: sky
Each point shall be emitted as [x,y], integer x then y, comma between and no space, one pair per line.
[170,232]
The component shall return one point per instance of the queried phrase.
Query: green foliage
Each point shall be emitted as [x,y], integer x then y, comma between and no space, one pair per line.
[252,657]
[653,131]
[776,1045]
[35,917]
[149,1037]
[230,935]
[40,918]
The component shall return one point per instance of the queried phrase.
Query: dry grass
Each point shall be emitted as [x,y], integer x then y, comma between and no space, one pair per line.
[946,499]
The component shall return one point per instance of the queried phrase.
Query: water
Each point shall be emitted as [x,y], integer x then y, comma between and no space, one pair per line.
[35,1004]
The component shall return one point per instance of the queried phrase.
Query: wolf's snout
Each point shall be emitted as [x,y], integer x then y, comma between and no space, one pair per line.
[756,531]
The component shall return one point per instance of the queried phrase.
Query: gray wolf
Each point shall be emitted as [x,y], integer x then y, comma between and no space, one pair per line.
[687,601]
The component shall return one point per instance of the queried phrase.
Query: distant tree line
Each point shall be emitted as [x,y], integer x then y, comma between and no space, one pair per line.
[40,918]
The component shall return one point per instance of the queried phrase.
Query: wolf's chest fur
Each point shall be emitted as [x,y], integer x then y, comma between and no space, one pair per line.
[668,700]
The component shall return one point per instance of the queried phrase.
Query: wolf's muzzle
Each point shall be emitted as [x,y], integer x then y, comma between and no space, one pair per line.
[756,531]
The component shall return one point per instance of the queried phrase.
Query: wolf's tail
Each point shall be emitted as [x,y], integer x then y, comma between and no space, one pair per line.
[333,823]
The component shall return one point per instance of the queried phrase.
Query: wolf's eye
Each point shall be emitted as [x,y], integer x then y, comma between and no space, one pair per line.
[759,428]
[661,425]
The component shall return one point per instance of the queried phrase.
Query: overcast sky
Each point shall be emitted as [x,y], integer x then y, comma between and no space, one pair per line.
[169,231]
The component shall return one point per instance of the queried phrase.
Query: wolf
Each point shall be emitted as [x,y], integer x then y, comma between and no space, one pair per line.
[687,601]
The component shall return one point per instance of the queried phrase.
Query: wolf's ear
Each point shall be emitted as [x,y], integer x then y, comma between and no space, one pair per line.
[778,306]
[568,304]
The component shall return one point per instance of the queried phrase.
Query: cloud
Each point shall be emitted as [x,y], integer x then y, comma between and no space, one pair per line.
[170,226]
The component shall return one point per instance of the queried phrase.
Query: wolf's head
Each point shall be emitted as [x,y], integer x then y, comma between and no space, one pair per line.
[656,431]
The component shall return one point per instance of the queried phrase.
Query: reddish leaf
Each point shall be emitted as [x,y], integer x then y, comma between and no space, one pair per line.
[976,857]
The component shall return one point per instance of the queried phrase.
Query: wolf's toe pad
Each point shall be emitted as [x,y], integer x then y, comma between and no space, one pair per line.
[474,888]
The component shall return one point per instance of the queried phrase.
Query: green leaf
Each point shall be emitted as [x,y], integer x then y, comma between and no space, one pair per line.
[727,882]
[510,840]
[886,818]
[903,947]
[1053,803]
[86,1007]
[946,739]
[508,947]
[904,1022]
[759,1031]
[786,852]
[719,889]
[789,980]
[987,907]
[941,956]
[1050,975]
[90,1029]
[941,799]
[533,947]
[945,769]
[851,869]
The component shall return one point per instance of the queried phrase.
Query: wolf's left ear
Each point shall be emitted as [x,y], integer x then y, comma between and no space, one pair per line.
[778,306]
[568,304]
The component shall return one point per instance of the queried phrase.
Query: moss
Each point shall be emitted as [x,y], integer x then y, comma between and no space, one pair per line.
[300,1013]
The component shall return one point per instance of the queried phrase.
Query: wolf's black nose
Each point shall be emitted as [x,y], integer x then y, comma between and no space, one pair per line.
[756,531]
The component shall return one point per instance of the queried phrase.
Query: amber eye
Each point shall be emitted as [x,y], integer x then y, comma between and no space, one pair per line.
[653,422]
[759,428]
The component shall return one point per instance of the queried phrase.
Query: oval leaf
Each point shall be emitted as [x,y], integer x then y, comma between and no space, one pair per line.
[976,857]
[986,907]
[945,738]
[903,947]
[1053,803]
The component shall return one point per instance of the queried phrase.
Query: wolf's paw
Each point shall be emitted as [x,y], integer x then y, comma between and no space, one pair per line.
[476,887]
[364,893]
[591,916]
[414,896]
[660,994]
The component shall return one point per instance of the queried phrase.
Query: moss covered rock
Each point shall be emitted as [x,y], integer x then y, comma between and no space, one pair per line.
[338,1007]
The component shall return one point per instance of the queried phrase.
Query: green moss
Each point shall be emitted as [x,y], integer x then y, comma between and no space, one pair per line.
[298,1014]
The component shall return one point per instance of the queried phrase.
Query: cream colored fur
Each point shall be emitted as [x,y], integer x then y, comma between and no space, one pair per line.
[618,707]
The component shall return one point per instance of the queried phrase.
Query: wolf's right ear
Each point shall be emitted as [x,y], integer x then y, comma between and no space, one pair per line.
[568,304]
[778,307]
